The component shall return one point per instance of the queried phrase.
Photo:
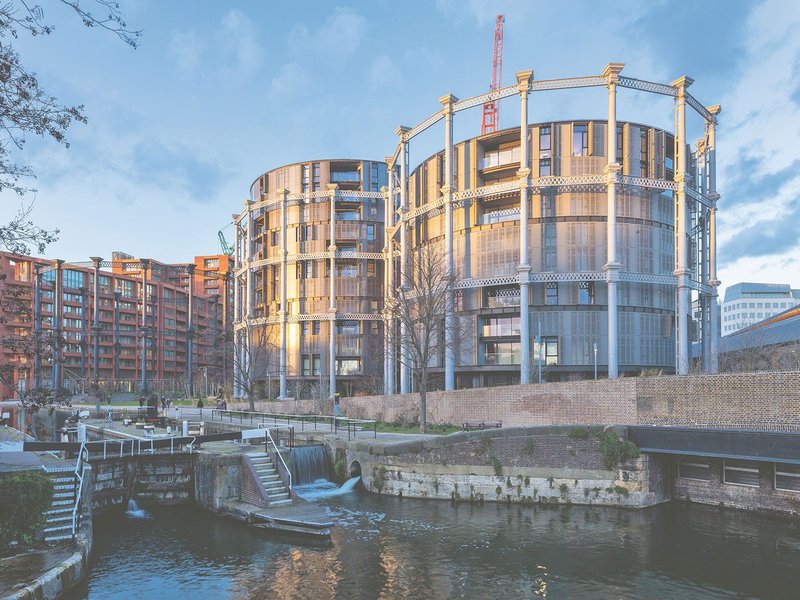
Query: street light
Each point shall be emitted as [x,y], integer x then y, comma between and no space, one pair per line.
[595,359]
[205,379]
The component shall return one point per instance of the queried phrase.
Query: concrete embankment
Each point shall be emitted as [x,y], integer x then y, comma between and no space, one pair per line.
[523,465]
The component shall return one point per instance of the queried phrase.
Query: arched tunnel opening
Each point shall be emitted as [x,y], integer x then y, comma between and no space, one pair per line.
[355,469]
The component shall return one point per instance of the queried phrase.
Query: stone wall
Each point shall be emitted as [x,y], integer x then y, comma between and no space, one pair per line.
[514,465]
[218,479]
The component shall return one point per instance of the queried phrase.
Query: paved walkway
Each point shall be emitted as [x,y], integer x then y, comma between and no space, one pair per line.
[18,571]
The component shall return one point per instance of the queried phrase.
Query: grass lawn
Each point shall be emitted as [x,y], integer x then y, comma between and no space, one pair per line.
[444,429]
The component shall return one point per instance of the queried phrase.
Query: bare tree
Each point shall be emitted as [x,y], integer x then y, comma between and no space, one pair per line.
[27,109]
[420,308]
[256,362]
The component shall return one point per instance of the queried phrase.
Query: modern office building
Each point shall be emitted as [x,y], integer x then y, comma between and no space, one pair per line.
[614,270]
[746,304]
[69,324]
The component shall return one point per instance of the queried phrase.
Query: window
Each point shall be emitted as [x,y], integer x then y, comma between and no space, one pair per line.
[72,279]
[22,270]
[501,353]
[370,269]
[500,215]
[311,363]
[741,472]
[212,263]
[787,477]
[620,142]
[347,327]
[370,232]
[315,174]
[544,142]
[550,350]
[644,153]
[500,326]
[501,297]
[580,140]
[347,214]
[694,469]
[305,327]
[274,237]
[551,293]
[315,328]
[306,178]
[586,292]
[545,169]
[348,366]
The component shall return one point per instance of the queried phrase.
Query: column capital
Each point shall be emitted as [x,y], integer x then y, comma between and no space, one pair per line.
[612,269]
[446,192]
[332,249]
[612,172]
[680,178]
[57,263]
[384,190]
[190,269]
[447,102]
[248,205]
[611,72]
[714,197]
[714,109]
[524,80]
[333,188]
[402,132]
[96,260]
[524,270]
[681,83]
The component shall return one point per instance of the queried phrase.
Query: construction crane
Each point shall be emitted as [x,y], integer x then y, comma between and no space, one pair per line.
[491,110]
[223,244]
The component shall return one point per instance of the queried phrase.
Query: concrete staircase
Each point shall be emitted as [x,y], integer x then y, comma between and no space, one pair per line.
[59,518]
[276,492]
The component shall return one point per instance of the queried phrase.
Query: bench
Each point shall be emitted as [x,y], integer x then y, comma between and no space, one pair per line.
[481,424]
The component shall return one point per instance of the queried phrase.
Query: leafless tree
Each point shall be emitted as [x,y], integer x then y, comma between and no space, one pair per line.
[257,361]
[420,308]
[27,109]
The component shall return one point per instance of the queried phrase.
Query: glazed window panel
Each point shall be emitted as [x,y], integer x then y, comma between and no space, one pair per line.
[787,477]
[580,140]
[545,142]
[741,472]
[694,469]
[551,293]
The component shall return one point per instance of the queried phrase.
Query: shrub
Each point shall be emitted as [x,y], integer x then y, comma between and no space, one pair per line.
[529,446]
[615,450]
[497,465]
[578,433]
[484,445]
[563,489]
[25,497]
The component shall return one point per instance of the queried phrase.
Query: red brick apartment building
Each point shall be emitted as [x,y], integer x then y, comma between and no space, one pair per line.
[172,335]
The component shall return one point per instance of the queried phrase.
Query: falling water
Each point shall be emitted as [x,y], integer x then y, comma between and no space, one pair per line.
[134,512]
[309,464]
[322,489]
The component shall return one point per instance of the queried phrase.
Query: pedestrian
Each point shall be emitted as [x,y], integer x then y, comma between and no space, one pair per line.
[200,403]
[141,401]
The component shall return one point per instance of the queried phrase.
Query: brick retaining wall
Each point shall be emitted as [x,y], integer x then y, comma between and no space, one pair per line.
[769,401]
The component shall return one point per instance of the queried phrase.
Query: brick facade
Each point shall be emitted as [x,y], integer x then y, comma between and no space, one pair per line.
[761,401]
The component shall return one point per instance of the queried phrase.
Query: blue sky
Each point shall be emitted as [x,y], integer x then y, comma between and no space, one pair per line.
[221,91]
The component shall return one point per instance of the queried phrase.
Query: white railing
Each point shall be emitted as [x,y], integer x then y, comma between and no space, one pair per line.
[80,471]
[265,427]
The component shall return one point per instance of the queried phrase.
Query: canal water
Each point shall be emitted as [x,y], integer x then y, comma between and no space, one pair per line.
[389,548]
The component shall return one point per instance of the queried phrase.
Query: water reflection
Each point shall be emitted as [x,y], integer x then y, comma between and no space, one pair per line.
[386,548]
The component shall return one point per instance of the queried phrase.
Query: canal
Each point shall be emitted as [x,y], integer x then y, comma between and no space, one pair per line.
[390,548]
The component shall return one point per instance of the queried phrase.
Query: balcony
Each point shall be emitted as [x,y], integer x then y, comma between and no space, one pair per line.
[500,215]
[499,158]
[501,358]
[500,330]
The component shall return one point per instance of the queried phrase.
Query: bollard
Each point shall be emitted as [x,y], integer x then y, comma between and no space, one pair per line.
[81,433]
[185,429]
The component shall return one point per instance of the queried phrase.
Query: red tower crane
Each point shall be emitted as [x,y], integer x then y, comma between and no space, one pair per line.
[491,110]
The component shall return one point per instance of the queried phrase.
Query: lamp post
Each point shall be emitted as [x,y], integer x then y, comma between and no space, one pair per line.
[205,379]
[595,359]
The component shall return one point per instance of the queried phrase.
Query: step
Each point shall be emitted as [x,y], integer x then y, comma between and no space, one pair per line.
[63,487]
[67,516]
[272,485]
[279,502]
[70,494]
[57,538]
[269,478]
[59,509]
[267,473]
[257,455]
[260,463]
[59,528]
[58,480]
[278,496]
[57,503]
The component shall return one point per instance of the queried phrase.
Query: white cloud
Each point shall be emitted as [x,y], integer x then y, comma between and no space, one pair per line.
[383,72]
[339,37]
[239,42]
[185,49]
[290,80]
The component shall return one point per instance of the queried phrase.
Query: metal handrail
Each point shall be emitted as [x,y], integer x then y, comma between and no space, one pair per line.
[278,452]
[80,470]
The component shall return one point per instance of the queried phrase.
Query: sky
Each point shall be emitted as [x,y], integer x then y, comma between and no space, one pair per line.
[219,92]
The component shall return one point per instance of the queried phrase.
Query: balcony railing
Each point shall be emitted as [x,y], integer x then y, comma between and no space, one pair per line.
[500,330]
[501,358]
[496,158]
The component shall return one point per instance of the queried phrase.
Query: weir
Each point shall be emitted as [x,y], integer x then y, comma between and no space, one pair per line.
[308,464]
